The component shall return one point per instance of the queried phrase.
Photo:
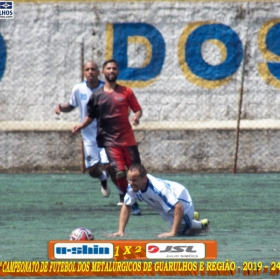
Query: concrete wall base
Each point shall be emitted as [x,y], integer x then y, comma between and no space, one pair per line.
[161,151]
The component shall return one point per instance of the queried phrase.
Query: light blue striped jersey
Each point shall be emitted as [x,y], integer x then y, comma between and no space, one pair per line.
[161,195]
[80,96]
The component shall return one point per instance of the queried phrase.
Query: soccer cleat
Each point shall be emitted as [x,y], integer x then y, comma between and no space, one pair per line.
[105,190]
[135,209]
[205,223]
[196,216]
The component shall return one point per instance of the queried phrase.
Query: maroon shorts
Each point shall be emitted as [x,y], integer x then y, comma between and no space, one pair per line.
[122,158]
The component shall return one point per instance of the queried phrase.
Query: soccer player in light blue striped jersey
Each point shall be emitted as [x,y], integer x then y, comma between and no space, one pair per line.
[170,199]
[93,155]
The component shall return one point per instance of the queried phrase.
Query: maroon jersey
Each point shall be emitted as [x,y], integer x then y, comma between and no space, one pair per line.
[111,111]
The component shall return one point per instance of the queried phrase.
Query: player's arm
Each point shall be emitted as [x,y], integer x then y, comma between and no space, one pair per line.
[136,118]
[178,216]
[66,108]
[123,220]
[87,120]
[135,107]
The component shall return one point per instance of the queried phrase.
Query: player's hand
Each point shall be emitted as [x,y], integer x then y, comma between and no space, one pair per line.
[76,129]
[166,234]
[57,109]
[116,234]
[134,120]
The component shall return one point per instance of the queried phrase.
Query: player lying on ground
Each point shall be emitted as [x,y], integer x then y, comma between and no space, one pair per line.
[170,199]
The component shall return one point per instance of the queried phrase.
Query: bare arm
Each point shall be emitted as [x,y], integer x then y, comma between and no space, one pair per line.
[63,108]
[85,123]
[124,217]
[136,118]
[178,216]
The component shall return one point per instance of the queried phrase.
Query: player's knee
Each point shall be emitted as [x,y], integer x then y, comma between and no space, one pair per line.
[94,171]
[120,174]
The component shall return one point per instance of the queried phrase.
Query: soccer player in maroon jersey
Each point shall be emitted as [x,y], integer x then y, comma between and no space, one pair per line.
[111,105]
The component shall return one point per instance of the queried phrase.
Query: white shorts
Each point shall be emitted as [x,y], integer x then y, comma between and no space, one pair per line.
[186,223]
[94,155]
[103,156]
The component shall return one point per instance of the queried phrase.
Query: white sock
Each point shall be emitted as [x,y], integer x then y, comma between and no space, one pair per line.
[196,224]
[103,176]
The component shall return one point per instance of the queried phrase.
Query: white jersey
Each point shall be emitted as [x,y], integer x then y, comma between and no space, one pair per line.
[80,96]
[163,195]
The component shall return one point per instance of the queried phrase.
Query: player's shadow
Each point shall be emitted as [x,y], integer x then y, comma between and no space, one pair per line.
[194,232]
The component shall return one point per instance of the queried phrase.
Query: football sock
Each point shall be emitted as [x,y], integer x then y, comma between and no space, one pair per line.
[103,179]
[122,184]
[196,225]
[103,176]
[121,197]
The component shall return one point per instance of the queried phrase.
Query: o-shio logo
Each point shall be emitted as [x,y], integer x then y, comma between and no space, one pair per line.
[190,54]
[7,10]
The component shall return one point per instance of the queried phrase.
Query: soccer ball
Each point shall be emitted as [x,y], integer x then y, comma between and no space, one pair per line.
[81,234]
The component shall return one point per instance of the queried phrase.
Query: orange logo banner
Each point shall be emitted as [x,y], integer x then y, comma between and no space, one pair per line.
[133,249]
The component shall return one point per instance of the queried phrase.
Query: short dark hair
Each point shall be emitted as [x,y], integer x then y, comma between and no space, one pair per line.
[138,167]
[91,61]
[111,60]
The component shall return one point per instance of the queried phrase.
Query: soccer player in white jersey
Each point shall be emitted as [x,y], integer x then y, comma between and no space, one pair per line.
[79,98]
[170,199]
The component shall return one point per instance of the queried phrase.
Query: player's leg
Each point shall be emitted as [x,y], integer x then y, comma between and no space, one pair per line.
[106,164]
[197,225]
[193,226]
[117,163]
[117,157]
[191,218]
[112,174]
[93,166]
[131,156]
[189,223]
